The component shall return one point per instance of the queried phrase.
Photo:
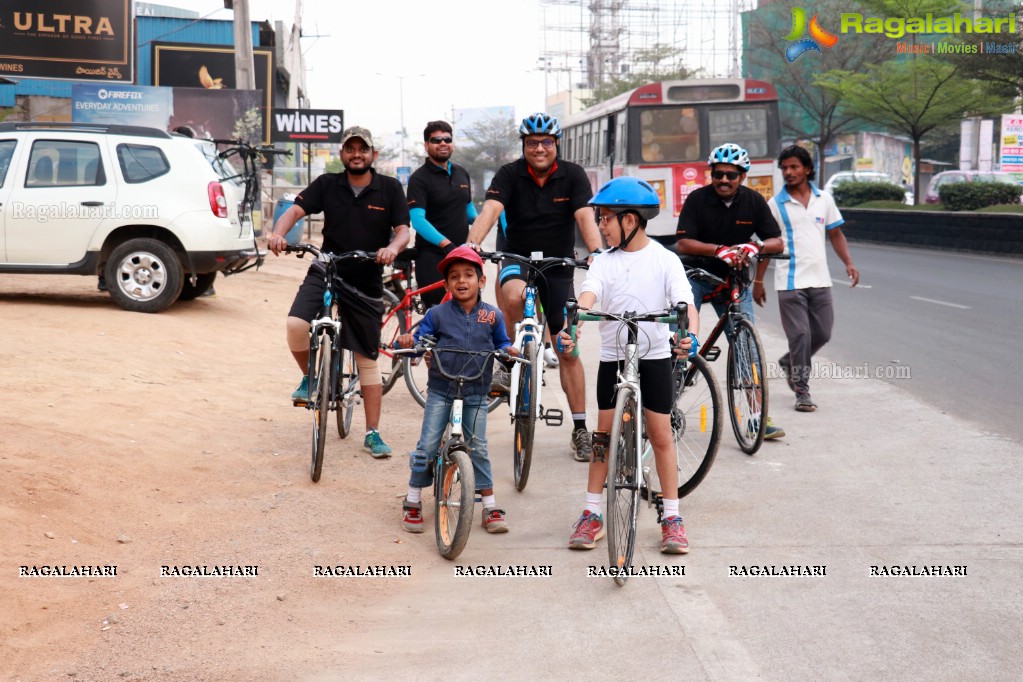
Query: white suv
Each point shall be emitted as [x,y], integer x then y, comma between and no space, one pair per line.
[148,212]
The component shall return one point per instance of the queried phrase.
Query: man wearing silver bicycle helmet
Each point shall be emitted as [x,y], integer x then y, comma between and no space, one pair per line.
[717,226]
[640,275]
[543,198]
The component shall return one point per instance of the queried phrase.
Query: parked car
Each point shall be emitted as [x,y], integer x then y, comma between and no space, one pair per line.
[150,213]
[948,177]
[866,176]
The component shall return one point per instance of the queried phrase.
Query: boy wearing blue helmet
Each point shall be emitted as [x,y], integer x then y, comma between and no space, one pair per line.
[637,274]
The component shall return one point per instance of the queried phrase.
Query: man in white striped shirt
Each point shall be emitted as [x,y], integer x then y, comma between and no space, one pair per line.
[806,216]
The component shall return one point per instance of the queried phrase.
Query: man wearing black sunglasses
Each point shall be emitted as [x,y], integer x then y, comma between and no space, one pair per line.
[717,225]
[440,206]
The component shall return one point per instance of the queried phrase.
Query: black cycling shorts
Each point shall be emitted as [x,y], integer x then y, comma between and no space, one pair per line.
[654,384]
[360,314]
[555,287]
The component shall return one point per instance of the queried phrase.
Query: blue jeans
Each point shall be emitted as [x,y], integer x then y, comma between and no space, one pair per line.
[436,416]
[701,289]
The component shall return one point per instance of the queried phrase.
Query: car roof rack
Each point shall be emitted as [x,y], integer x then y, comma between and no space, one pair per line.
[108,128]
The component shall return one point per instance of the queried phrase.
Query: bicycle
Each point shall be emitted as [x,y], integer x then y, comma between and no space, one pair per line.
[398,320]
[626,476]
[454,481]
[333,374]
[745,363]
[525,408]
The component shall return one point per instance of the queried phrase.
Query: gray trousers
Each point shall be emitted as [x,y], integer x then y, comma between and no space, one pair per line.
[807,316]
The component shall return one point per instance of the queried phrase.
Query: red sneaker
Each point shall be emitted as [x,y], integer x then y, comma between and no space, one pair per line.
[412,519]
[673,536]
[588,529]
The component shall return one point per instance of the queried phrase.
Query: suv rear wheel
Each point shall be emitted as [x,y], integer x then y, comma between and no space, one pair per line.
[202,283]
[144,275]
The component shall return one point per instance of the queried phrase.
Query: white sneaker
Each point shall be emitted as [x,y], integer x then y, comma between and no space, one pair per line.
[550,358]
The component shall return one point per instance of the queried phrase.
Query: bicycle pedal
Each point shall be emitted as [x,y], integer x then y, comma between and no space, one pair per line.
[554,417]
[712,354]
[300,403]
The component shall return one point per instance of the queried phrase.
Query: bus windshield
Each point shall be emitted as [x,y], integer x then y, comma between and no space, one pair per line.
[745,126]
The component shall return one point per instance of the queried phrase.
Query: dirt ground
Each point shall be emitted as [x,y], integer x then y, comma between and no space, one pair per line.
[139,441]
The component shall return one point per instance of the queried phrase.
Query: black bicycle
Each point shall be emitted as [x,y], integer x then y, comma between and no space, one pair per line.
[333,374]
[746,365]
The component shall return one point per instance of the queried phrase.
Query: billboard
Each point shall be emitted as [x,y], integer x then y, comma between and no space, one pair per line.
[123,104]
[1012,143]
[210,69]
[212,114]
[87,40]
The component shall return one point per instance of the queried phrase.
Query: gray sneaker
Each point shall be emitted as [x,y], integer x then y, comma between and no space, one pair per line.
[804,403]
[582,445]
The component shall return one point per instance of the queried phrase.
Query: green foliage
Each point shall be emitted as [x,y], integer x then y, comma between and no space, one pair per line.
[493,142]
[647,68]
[856,193]
[249,128]
[969,196]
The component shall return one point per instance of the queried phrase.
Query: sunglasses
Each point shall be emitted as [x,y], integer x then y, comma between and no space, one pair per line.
[731,175]
[547,143]
[440,140]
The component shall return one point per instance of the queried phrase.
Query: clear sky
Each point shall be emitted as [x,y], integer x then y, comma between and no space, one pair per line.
[471,53]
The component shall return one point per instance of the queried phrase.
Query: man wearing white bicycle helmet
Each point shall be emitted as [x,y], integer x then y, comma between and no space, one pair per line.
[717,226]
[640,275]
[543,198]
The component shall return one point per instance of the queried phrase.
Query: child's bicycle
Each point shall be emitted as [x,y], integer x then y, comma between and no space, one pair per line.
[626,471]
[454,483]
[333,375]
[527,379]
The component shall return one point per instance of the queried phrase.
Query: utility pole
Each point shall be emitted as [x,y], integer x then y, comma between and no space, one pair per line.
[244,72]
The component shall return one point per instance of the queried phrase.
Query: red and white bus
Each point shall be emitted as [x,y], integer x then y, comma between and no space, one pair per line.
[664,132]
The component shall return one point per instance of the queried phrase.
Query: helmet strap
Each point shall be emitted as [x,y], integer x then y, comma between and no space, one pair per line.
[621,228]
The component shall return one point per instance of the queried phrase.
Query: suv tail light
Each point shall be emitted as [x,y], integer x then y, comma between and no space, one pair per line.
[218,202]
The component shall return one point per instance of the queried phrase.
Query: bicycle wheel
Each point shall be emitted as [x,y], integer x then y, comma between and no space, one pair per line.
[416,372]
[393,326]
[695,427]
[347,390]
[319,387]
[525,412]
[623,485]
[747,389]
[456,494]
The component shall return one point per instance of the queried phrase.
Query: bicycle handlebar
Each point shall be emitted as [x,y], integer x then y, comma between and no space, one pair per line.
[428,344]
[678,315]
[539,264]
[303,248]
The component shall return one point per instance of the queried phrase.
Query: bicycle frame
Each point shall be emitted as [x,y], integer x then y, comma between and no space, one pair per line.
[708,350]
[529,327]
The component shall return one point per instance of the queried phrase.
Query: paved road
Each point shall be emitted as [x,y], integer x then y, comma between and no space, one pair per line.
[875,478]
[953,322]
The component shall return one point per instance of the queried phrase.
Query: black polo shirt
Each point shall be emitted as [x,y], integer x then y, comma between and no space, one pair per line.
[541,218]
[706,218]
[363,222]
[444,196]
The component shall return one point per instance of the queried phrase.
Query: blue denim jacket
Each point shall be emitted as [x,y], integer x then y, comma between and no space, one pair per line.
[482,328]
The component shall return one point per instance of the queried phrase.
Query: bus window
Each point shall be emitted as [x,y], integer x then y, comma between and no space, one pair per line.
[669,134]
[744,126]
[620,138]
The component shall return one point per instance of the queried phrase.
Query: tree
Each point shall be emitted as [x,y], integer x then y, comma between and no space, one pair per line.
[646,69]
[912,97]
[806,110]
[493,142]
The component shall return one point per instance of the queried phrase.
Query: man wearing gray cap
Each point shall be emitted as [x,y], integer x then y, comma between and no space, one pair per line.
[362,210]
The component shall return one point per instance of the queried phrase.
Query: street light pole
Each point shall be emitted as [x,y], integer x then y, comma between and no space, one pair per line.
[401,104]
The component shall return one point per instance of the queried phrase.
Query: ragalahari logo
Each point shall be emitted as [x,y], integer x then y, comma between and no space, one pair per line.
[818,36]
